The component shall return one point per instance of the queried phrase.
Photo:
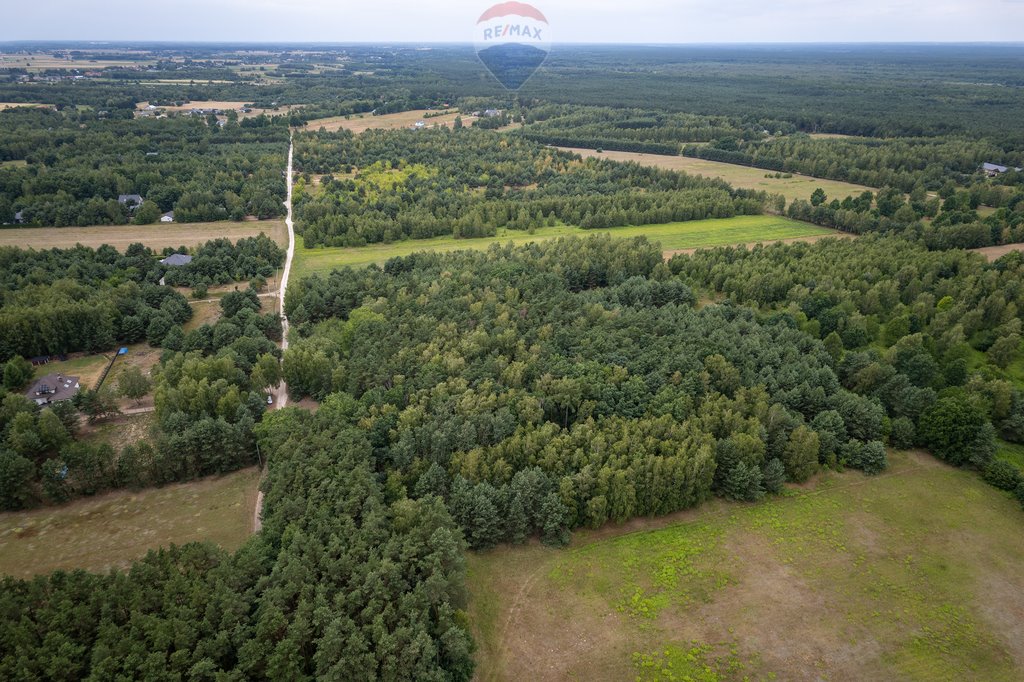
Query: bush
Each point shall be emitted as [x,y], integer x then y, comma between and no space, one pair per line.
[1002,475]
[17,372]
[868,457]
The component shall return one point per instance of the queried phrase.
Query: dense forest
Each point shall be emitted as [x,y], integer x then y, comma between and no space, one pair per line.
[75,171]
[572,382]
[345,581]
[415,184]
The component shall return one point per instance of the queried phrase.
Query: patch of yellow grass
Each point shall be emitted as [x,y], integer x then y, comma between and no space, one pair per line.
[115,529]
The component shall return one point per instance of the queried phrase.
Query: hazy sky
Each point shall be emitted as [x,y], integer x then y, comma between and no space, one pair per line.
[633,21]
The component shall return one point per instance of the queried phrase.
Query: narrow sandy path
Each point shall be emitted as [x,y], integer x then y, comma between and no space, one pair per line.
[281,397]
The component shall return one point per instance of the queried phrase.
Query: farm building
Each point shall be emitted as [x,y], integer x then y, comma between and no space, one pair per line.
[53,388]
[167,217]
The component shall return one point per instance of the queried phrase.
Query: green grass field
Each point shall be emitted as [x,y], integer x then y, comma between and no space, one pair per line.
[115,529]
[671,236]
[912,575]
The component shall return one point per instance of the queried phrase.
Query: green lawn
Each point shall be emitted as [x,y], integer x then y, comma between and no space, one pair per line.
[912,575]
[672,236]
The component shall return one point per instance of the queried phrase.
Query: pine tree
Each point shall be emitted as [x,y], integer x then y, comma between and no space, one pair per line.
[774,476]
[744,483]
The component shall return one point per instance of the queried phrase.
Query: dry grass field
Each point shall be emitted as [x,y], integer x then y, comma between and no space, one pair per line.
[15,105]
[115,529]
[911,575]
[796,187]
[359,123]
[155,236]
[41,61]
[993,253]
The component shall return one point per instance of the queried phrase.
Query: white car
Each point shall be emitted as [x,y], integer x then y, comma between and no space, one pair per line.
[270,400]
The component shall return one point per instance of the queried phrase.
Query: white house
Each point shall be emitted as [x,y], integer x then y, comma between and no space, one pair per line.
[167,217]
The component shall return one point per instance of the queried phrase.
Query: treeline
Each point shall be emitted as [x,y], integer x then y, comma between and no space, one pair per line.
[930,336]
[950,220]
[416,184]
[75,172]
[647,131]
[221,261]
[903,163]
[59,301]
[345,581]
[569,383]
[66,317]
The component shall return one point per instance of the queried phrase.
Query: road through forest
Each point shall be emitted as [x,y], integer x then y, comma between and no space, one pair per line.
[281,397]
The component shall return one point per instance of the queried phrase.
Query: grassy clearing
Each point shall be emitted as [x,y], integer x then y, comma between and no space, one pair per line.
[87,368]
[671,236]
[359,123]
[155,236]
[796,187]
[112,530]
[913,575]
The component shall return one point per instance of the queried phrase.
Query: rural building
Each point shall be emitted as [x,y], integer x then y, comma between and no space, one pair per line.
[491,113]
[176,260]
[19,217]
[992,169]
[132,201]
[53,388]
[167,217]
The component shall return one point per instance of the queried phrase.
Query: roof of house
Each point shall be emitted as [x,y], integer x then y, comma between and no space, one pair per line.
[20,215]
[177,259]
[169,214]
[996,167]
[54,388]
[125,198]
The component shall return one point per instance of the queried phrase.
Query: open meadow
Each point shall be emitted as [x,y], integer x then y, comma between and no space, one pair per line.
[745,177]
[115,529]
[673,237]
[359,123]
[911,575]
[156,236]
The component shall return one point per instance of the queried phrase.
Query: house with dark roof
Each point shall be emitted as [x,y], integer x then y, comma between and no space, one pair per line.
[19,217]
[992,169]
[53,388]
[167,217]
[176,260]
[132,201]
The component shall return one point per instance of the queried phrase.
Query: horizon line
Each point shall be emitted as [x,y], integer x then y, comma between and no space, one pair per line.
[463,43]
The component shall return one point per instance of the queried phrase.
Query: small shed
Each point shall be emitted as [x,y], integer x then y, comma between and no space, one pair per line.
[167,217]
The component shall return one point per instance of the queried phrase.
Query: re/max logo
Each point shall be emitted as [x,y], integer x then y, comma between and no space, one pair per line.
[512,30]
